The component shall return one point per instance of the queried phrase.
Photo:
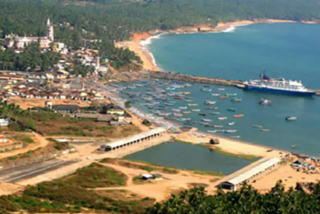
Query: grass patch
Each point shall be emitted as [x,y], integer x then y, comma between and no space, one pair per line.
[250,158]
[138,180]
[204,172]
[140,165]
[96,175]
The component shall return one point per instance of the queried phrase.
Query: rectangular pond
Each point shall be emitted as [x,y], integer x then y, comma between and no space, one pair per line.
[190,157]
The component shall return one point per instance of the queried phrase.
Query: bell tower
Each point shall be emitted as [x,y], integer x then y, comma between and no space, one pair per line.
[49,32]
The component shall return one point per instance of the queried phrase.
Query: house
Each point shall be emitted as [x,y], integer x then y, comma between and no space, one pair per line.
[147,176]
[114,109]
[3,139]
[65,108]
[106,118]
[4,121]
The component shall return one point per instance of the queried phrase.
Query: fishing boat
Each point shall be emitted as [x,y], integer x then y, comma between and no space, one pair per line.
[183,107]
[291,118]
[236,137]
[202,114]
[212,108]
[206,89]
[265,102]
[176,110]
[193,104]
[264,130]
[177,114]
[209,102]
[215,95]
[195,110]
[231,124]
[186,112]
[235,100]
[221,89]
[212,131]
[231,131]
[238,116]
[231,109]
[186,92]
[169,104]
[231,95]
[222,118]
[188,100]
[221,131]
[170,88]
[206,120]
[223,97]
[257,126]
[204,123]
[178,98]
[215,113]
[279,86]
[218,126]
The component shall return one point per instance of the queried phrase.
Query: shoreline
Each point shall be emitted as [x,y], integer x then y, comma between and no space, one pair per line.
[138,42]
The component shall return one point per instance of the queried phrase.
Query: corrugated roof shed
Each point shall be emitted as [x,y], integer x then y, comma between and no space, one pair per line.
[259,167]
[136,137]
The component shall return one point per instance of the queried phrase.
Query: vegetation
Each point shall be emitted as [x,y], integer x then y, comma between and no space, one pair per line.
[245,200]
[96,175]
[30,59]
[140,165]
[72,190]
[51,123]
[250,158]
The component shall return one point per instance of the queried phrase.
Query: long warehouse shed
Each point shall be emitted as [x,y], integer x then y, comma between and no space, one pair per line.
[141,137]
[250,174]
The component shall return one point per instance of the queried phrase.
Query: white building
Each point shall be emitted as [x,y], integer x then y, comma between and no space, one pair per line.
[250,174]
[20,42]
[4,121]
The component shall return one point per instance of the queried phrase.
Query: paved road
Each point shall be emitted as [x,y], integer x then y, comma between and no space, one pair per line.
[31,170]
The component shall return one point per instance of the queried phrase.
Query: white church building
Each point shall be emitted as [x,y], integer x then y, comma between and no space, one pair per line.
[20,42]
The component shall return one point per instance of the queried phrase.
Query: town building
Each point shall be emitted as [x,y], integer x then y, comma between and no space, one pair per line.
[254,172]
[65,108]
[4,121]
[114,109]
[138,138]
[20,42]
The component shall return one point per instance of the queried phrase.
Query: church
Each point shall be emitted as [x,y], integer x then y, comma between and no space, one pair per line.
[19,42]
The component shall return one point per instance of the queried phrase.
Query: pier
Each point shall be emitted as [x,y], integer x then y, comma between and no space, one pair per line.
[196,79]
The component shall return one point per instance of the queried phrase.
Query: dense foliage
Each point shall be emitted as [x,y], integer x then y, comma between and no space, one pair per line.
[246,200]
[31,58]
[89,22]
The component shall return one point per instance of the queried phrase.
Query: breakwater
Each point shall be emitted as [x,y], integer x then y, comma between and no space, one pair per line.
[196,79]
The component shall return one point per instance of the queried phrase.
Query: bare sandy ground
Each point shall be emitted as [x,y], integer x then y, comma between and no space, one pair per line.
[26,103]
[40,141]
[231,145]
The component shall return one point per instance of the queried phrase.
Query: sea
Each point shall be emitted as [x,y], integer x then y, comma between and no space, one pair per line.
[289,50]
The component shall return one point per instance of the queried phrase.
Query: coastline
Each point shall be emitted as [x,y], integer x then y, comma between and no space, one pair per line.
[138,42]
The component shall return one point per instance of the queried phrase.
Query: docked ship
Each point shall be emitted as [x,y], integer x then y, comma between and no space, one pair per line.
[280,86]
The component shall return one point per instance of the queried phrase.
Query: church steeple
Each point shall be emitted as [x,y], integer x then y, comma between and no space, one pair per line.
[50,33]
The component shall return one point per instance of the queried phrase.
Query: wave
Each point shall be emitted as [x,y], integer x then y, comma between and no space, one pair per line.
[230,29]
[148,41]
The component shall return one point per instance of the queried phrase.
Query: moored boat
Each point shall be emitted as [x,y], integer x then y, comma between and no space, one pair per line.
[206,120]
[235,100]
[265,102]
[222,118]
[238,116]
[209,102]
[257,126]
[291,118]
[231,109]
[215,113]
[223,97]
[186,112]
[231,124]
[264,130]
[231,95]
[197,110]
[231,131]
[221,89]
[236,137]
[193,104]
[202,114]
[212,108]
[215,95]
[218,126]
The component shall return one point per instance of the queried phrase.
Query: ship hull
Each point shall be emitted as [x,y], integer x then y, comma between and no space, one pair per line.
[277,91]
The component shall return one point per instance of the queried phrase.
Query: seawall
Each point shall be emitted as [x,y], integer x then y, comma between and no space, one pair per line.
[196,79]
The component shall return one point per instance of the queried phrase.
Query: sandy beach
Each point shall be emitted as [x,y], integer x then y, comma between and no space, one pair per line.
[147,58]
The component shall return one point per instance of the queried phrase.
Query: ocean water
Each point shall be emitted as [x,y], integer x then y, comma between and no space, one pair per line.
[289,50]
[190,157]
[283,50]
